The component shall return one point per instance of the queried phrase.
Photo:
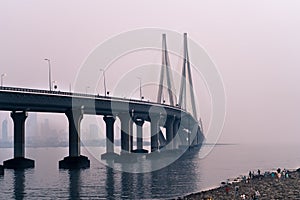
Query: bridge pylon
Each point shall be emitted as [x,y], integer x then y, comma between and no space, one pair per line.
[186,80]
[165,74]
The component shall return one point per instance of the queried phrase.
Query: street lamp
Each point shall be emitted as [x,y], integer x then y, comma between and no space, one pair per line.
[70,87]
[2,76]
[86,89]
[49,64]
[140,87]
[54,85]
[104,82]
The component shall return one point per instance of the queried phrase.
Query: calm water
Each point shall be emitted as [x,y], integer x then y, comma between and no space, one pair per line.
[185,176]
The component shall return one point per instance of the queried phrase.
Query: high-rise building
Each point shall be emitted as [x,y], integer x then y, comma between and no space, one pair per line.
[93,132]
[4,131]
[31,126]
[45,129]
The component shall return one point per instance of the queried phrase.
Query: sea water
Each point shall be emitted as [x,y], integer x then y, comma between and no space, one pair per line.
[187,175]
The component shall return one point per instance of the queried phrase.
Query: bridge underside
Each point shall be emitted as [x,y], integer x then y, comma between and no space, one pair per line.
[178,135]
[182,129]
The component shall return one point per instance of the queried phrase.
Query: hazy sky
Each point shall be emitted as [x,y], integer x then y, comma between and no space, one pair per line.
[255,45]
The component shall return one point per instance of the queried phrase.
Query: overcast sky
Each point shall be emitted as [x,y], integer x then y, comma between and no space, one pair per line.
[255,45]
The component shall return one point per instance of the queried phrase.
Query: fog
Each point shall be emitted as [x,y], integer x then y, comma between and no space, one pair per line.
[254,44]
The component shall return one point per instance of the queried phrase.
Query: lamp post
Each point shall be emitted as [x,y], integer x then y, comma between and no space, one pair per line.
[86,89]
[104,81]
[49,64]
[140,87]
[176,101]
[2,77]
[54,85]
[70,87]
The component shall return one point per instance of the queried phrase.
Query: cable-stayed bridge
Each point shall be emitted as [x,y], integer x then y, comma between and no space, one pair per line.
[182,129]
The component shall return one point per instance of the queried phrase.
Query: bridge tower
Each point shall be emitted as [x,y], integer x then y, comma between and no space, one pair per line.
[186,80]
[165,72]
[186,85]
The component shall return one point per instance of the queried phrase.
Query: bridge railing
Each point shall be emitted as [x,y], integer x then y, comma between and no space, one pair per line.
[76,94]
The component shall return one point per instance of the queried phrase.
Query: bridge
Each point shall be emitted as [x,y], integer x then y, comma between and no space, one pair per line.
[182,129]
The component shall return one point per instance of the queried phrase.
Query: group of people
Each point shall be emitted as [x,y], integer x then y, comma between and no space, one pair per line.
[255,194]
[278,174]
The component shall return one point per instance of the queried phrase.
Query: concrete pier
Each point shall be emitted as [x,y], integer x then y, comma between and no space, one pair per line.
[169,132]
[154,132]
[110,153]
[139,137]
[74,160]
[1,170]
[125,132]
[126,140]
[130,135]
[19,161]
[176,125]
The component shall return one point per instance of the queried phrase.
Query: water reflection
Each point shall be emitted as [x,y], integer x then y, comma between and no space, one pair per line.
[100,182]
[19,184]
[110,183]
[178,178]
[127,185]
[187,175]
[75,184]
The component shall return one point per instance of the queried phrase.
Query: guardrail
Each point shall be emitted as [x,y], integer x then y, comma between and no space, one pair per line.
[75,94]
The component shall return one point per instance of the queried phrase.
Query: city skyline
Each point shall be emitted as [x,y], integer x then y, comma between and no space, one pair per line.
[255,46]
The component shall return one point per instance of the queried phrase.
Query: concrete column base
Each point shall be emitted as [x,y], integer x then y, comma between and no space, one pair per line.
[155,155]
[1,170]
[74,162]
[126,158]
[18,163]
[171,152]
[109,156]
[165,154]
[140,151]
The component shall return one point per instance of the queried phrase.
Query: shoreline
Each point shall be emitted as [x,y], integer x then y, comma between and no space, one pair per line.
[278,184]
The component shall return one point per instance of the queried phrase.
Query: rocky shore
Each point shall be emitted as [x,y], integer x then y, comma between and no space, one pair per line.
[271,185]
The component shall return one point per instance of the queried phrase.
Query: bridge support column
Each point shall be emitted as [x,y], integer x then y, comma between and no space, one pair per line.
[125,133]
[19,161]
[154,132]
[74,160]
[194,134]
[110,153]
[176,125]
[131,135]
[126,140]
[139,136]
[169,132]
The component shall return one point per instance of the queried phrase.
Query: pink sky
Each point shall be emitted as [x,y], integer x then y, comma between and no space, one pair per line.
[255,45]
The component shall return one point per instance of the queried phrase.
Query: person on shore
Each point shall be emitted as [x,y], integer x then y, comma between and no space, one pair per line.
[243,196]
[257,194]
[278,176]
[273,174]
[236,189]
[250,174]
[244,179]
[258,172]
[227,189]
[278,170]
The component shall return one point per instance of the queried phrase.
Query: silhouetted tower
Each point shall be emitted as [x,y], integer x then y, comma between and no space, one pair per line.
[93,131]
[186,79]
[165,71]
[32,125]
[4,131]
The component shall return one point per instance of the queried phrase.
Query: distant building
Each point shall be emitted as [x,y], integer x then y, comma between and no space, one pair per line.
[45,129]
[4,131]
[93,132]
[32,129]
